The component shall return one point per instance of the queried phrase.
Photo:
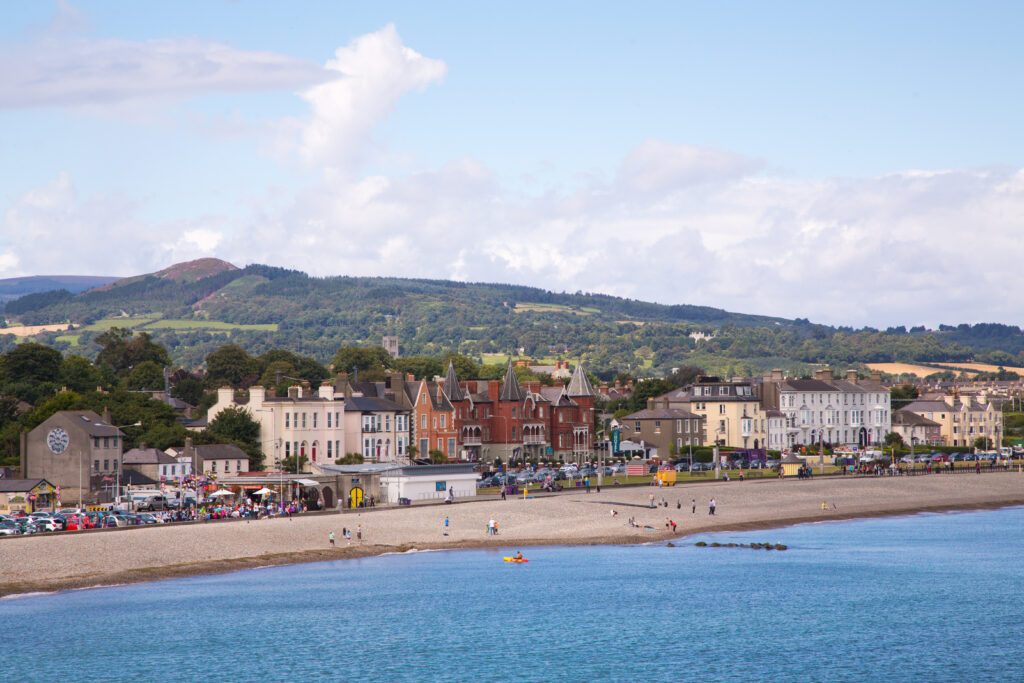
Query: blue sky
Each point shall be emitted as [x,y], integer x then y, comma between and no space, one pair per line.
[789,142]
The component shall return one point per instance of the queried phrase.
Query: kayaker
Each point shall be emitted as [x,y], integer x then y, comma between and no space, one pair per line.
[518,555]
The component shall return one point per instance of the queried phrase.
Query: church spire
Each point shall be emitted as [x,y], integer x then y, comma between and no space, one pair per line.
[510,389]
[580,384]
[451,385]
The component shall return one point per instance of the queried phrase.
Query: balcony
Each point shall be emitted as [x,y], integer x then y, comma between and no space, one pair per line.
[472,441]
[534,439]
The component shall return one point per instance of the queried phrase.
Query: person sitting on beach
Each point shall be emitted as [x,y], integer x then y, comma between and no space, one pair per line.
[614,512]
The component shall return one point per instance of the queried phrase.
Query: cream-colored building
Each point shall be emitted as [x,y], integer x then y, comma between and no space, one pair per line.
[962,420]
[301,423]
[731,411]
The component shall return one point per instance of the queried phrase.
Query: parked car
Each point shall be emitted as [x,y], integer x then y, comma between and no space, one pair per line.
[152,503]
[9,527]
[47,524]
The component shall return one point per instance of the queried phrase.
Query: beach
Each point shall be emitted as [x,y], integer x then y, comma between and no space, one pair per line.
[63,561]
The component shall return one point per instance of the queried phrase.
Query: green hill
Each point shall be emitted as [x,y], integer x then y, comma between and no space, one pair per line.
[195,307]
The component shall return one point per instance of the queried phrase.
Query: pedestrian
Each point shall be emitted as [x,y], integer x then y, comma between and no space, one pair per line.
[330,539]
[711,507]
[491,527]
[679,505]
[503,493]
[651,497]
[673,523]
[693,505]
[586,484]
[446,525]
[359,529]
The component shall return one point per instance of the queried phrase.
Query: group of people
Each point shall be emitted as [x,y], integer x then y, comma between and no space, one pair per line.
[346,533]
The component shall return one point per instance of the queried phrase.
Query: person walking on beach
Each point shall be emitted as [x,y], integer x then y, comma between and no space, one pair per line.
[330,539]
[446,526]
[359,529]
[490,527]
[693,506]
[711,507]
[651,497]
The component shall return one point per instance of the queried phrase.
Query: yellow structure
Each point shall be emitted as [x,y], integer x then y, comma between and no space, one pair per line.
[962,419]
[731,409]
[791,465]
[666,477]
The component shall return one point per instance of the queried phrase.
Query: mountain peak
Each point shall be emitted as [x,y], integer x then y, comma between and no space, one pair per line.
[191,271]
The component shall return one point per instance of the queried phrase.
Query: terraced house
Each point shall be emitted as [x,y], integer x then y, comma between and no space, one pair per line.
[962,419]
[731,411]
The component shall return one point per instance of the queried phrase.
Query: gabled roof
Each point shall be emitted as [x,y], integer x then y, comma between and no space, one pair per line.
[221,451]
[907,418]
[147,456]
[20,485]
[662,414]
[367,404]
[580,385]
[451,385]
[90,422]
[510,389]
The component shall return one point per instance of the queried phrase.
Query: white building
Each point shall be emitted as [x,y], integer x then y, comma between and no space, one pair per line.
[300,423]
[849,412]
[427,482]
[377,429]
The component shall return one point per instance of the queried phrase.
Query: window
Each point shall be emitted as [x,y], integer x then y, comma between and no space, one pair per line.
[513,433]
[95,442]
[330,445]
[328,420]
[451,448]
[636,426]
[401,445]
[443,421]
[227,466]
[96,465]
[440,444]
[115,465]
[337,448]
[723,391]
[303,420]
[213,466]
[434,422]
[314,420]
[106,465]
[287,420]
[287,449]
[238,466]
[679,425]
[367,447]
[657,426]
[423,421]
[106,442]
[387,423]
[721,409]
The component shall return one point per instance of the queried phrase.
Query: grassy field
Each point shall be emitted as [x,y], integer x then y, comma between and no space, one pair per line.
[555,308]
[182,324]
[109,323]
[69,338]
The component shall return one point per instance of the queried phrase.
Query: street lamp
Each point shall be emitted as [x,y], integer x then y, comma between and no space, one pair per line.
[119,464]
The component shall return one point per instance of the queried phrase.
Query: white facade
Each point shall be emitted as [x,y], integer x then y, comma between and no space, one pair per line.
[430,484]
[378,435]
[300,423]
[834,412]
[777,435]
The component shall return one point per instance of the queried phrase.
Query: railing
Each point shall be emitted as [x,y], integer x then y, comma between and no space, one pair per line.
[471,441]
[534,439]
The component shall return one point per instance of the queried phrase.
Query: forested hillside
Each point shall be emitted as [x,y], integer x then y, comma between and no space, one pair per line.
[263,307]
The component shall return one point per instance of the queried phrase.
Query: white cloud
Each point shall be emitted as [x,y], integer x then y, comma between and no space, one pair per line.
[373,72]
[58,69]
[54,230]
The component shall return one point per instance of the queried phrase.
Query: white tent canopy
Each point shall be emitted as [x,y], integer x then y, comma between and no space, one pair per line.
[262,492]
[221,492]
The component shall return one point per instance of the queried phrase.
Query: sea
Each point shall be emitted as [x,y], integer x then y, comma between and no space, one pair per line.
[929,597]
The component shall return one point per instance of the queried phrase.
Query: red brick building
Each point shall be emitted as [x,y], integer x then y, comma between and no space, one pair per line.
[508,420]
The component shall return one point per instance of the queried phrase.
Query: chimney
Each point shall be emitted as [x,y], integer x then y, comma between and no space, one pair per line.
[983,398]
[851,376]
[326,391]
[650,403]
[950,399]
[225,395]
[106,414]
[825,374]
[256,396]
[410,377]
[307,392]
[777,375]
[493,389]
[876,376]
[603,389]
[294,391]
[142,445]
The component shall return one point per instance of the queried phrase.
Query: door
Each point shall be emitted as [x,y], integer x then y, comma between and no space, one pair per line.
[355,497]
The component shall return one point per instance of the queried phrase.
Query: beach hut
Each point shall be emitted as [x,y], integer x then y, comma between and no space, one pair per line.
[791,465]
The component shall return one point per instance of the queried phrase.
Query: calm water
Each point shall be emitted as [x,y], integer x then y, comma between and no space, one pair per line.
[924,598]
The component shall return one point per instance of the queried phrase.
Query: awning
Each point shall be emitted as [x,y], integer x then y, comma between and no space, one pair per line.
[306,482]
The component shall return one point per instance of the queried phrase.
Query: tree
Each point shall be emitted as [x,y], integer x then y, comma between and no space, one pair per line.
[981,443]
[78,374]
[289,465]
[893,440]
[350,459]
[369,361]
[31,363]
[423,367]
[146,375]
[235,425]
[280,375]
[188,389]
[230,365]
[121,350]
[437,457]
[903,392]
[465,367]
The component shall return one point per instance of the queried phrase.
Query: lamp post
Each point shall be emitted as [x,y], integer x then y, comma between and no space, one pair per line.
[117,490]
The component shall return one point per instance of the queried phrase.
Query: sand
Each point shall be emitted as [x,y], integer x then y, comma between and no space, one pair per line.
[54,562]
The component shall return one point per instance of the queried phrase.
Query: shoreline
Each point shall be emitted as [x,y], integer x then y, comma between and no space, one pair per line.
[13,589]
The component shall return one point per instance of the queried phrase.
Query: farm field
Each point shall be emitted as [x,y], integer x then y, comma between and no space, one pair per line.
[181,324]
[554,308]
[110,323]
[911,369]
[981,367]
[29,330]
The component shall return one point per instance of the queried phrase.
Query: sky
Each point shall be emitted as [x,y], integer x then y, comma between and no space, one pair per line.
[850,163]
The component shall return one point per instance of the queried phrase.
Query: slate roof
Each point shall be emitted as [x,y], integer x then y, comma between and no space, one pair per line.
[906,418]
[662,414]
[510,389]
[221,451]
[92,423]
[19,485]
[451,385]
[147,456]
[580,384]
[807,385]
[368,404]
